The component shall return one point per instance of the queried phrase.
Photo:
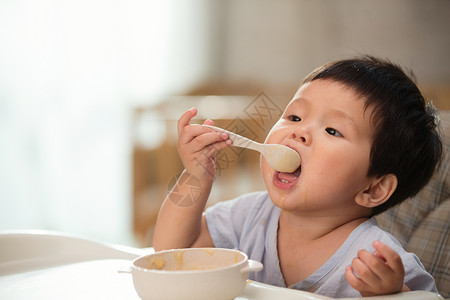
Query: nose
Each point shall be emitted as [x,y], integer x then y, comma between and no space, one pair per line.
[302,134]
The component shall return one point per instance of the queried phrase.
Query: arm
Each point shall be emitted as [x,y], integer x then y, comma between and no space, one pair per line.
[180,223]
[379,273]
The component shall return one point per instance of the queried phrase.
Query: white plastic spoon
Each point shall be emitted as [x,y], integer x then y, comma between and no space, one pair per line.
[279,157]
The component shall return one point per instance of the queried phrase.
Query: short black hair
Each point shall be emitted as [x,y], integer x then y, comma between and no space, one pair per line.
[406,140]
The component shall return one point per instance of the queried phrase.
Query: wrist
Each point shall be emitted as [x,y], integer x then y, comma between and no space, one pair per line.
[190,191]
[200,181]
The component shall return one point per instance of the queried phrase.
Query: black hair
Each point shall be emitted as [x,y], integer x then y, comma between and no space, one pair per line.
[406,140]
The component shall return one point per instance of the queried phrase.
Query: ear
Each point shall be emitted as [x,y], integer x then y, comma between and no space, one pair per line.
[378,191]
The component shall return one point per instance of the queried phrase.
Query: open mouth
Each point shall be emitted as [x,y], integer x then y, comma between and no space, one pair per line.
[285,180]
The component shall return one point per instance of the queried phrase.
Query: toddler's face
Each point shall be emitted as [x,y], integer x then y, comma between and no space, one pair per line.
[327,125]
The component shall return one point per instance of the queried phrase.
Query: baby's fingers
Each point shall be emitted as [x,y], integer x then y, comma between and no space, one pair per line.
[382,271]
[368,266]
[199,137]
[185,118]
[391,258]
[354,281]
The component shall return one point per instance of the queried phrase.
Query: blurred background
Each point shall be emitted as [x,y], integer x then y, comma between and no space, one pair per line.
[90,92]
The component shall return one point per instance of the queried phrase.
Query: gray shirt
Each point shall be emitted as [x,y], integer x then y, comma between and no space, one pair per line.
[249,223]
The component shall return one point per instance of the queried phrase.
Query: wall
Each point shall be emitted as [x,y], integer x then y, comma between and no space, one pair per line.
[273,44]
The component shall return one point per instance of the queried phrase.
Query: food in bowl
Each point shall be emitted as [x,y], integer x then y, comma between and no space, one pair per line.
[194,273]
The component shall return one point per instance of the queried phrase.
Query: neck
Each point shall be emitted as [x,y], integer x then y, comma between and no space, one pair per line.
[306,229]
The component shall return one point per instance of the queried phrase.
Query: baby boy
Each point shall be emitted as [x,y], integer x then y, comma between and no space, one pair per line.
[367,141]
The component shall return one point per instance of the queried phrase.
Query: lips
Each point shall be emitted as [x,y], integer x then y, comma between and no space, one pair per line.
[284,180]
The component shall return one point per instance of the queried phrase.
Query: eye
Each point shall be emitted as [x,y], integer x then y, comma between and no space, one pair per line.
[294,118]
[333,132]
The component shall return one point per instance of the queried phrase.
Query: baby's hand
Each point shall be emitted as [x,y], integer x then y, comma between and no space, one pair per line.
[380,272]
[198,146]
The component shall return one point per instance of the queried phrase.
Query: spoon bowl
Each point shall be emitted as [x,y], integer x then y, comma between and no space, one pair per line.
[279,157]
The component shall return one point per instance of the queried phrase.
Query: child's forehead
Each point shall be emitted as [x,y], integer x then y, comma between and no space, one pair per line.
[297,99]
[301,89]
[325,88]
[320,84]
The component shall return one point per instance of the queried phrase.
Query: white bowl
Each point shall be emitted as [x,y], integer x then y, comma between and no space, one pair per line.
[193,273]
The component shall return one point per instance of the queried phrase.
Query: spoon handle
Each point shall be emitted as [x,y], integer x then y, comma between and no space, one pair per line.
[239,141]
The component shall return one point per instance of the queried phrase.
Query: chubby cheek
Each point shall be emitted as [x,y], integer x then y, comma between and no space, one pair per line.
[345,176]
